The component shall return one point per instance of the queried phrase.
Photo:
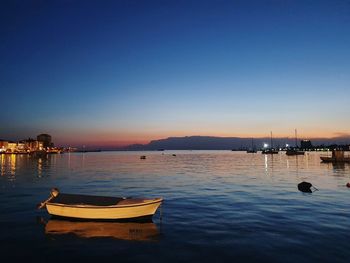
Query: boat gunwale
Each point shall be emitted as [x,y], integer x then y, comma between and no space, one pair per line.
[158,200]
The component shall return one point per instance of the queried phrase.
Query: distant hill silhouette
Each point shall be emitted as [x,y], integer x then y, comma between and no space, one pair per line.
[222,143]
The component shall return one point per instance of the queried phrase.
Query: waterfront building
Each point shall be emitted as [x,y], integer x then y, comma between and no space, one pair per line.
[34,145]
[21,147]
[3,145]
[306,144]
[11,147]
[45,139]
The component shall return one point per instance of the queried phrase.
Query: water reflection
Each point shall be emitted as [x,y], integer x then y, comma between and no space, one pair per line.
[338,166]
[40,167]
[8,166]
[126,231]
[14,166]
[269,161]
[2,164]
[44,164]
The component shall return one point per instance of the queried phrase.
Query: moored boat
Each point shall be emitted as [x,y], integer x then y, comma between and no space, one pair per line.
[294,152]
[91,207]
[253,149]
[270,150]
[337,157]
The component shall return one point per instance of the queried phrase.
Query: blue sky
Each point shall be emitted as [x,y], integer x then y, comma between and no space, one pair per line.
[114,72]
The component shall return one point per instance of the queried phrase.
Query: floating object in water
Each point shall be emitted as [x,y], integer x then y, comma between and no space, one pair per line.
[290,152]
[91,207]
[305,187]
[269,151]
[348,185]
[252,151]
[143,157]
[174,154]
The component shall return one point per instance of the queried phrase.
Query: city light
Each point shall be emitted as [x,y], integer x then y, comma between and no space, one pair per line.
[266,145]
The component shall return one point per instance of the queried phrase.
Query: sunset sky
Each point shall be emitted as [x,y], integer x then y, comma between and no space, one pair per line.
[120,72]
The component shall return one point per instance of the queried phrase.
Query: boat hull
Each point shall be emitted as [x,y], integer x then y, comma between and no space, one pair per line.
[294,153]
[269,152]
[116,212]
[334,160]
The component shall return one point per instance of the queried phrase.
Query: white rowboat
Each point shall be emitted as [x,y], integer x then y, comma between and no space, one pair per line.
[99,207]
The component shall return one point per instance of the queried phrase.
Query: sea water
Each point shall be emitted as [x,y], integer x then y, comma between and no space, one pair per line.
[219,206]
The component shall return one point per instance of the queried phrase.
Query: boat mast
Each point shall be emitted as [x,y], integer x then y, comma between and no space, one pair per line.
[271,140]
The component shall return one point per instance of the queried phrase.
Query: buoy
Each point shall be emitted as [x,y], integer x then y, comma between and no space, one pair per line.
[348,185]
[142,157]
[305,187]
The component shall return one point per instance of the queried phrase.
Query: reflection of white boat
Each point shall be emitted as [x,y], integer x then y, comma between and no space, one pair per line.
[99,207]
[126,231]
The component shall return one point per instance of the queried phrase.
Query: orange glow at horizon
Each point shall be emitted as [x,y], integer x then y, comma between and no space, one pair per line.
[123,139]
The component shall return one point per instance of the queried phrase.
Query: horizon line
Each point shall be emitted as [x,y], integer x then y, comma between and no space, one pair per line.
[126,143]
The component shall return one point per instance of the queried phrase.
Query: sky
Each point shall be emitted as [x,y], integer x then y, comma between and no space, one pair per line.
[122,72]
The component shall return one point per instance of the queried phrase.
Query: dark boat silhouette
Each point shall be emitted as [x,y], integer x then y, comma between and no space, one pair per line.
[253,149]
[295,151]
[337,157]
[270,150]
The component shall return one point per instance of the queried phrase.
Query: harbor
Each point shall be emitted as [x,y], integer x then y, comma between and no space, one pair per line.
[175,131]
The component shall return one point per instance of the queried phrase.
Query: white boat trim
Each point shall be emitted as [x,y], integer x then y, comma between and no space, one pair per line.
[152,201]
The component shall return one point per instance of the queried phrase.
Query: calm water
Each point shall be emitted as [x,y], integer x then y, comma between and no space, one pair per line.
[220,206]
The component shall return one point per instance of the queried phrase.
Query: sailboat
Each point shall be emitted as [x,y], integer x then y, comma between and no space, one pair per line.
[253,149]
[270,150]
[295,151]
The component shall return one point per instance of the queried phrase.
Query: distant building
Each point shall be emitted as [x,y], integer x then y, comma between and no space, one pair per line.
[27,146]
[11,147]
[306,144]
[3,145]
[33,145]
[45,139]
[21,147]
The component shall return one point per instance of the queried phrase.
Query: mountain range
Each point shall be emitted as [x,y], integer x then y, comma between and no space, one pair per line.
[225,143]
